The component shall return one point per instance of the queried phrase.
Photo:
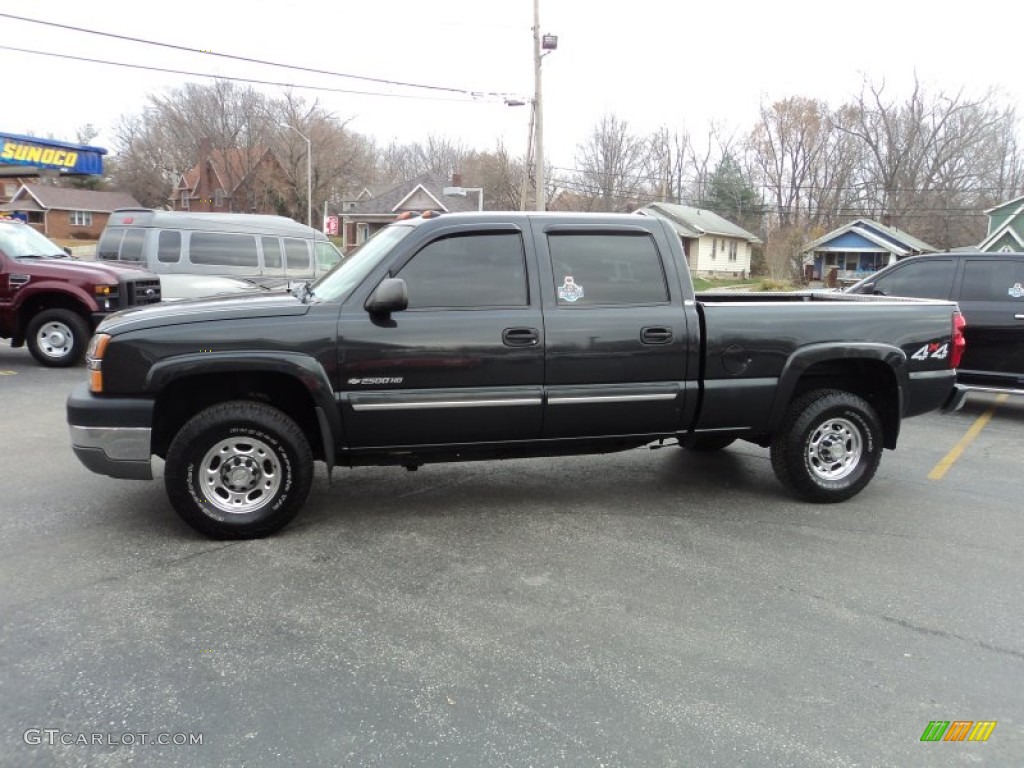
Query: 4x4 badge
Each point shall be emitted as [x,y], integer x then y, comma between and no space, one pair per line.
[1017,291]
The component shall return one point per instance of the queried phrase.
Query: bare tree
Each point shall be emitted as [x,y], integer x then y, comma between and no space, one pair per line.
[610,166]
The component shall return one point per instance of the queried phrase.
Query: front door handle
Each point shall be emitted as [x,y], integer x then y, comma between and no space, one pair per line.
[656,334]
[1019,317]
[520,337]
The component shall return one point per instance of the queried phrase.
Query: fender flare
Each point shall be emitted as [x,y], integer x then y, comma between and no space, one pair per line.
[307,370]
[806,357]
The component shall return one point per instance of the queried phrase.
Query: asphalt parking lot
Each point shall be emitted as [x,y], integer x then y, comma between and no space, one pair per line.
[639,609]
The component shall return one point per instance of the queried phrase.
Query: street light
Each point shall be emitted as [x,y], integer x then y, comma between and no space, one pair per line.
[309,173]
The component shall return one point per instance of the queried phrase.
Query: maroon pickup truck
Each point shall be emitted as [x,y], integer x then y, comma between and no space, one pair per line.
[53,302]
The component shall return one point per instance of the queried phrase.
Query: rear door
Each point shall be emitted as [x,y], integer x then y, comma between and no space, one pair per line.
[991,296]
[464,363]
[615,360]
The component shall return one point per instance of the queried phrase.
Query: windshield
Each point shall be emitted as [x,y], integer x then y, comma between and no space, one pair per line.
[337,283]
[20,240]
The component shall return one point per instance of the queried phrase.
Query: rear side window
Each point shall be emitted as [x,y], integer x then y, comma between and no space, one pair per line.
[466,271]
[993,280]
[222,250]
[271,253]
[110,244]
[296,253]
[931,279]
[168,249]
[606,268]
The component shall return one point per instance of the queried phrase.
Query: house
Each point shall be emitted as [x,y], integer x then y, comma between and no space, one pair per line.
[61,212]
[370,212]
[857,250]
[1005,228]
[234,181]
[714,246]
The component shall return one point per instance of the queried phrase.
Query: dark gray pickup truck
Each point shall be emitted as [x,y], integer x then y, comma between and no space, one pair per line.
[499,335]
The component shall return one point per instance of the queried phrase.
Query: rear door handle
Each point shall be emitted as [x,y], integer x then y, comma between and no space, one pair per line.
[520,337]
[1019,317]
[656,334]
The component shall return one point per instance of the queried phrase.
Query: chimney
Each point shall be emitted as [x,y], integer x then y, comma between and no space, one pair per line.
[456,179]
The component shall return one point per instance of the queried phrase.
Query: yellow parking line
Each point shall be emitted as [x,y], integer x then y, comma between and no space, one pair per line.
[940,469]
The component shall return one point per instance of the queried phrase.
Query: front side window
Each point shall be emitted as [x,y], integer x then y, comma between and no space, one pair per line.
[993,280]
[326,256]
[929,279]
[217,249]
[606,268]
[131,245]
[110,244]
[467,271]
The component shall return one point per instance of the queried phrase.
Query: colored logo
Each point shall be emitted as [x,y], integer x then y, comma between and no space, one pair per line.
[570,290]
[1017,291]
[958,730]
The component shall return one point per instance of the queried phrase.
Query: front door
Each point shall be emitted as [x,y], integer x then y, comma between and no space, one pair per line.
[463,364]
[616,333]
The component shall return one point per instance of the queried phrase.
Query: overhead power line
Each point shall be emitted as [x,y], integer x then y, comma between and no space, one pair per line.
[168,70]
[250,60]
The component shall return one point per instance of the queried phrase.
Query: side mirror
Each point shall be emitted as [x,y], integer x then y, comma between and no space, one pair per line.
[390,296]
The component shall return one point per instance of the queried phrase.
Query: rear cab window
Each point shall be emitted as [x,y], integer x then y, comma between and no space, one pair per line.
[606,268]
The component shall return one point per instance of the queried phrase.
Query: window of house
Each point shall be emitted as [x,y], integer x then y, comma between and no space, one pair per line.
[362,232]
[218,198]
[224,250]
[81,218]
[271,252]
[714,248]
[467,271]
[168,246]
[296,254]
[606,268]
[184,200]
[993,280]
[928,279]
[733,248]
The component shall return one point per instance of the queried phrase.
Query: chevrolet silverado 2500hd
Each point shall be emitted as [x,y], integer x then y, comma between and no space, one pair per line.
[497,335]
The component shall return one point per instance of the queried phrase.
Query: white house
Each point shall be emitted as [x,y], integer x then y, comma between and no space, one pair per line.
[714,247]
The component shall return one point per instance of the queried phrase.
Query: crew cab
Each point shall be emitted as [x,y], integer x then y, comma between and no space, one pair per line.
[53,302]
[500,335]
[989,288]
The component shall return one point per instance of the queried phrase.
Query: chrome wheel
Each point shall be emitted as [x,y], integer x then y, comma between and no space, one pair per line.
[834,449]
[55,339]
[240,475]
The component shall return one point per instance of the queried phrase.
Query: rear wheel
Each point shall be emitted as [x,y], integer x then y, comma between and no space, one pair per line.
[828,447]
[238,470]
[57,338]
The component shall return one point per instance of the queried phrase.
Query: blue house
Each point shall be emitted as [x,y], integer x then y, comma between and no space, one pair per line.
[1005,228]
[857,250]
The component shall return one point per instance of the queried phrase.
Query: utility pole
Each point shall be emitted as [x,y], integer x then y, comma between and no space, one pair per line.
[538,110]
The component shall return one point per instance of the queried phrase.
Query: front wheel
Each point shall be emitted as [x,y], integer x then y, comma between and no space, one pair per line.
[57,338]
[828,447]
[238,470]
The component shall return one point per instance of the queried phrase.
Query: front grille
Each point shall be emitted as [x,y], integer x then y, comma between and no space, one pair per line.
[140,292]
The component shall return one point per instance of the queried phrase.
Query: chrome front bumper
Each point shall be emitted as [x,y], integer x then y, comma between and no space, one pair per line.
[122,452]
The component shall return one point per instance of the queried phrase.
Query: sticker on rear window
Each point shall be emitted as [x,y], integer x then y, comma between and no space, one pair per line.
[570,290]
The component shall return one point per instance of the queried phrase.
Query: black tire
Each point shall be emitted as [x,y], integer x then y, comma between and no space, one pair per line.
[828,446]
[272,470]
[57,338]
[705,443]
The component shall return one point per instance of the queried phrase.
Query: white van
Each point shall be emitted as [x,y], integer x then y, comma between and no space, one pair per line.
[269,250]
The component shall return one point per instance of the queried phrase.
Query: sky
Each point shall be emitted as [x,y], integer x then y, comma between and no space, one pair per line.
[651,63]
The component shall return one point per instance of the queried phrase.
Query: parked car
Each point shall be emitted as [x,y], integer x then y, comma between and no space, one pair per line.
[496,335]
[271,250]
[52,302]
[989,287]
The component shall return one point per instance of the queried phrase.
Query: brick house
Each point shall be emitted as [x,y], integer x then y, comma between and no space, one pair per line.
[234,181]
[61,212]
[375,208]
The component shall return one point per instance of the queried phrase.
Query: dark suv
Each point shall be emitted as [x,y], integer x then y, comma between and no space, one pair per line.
[53,302]
[990,290]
